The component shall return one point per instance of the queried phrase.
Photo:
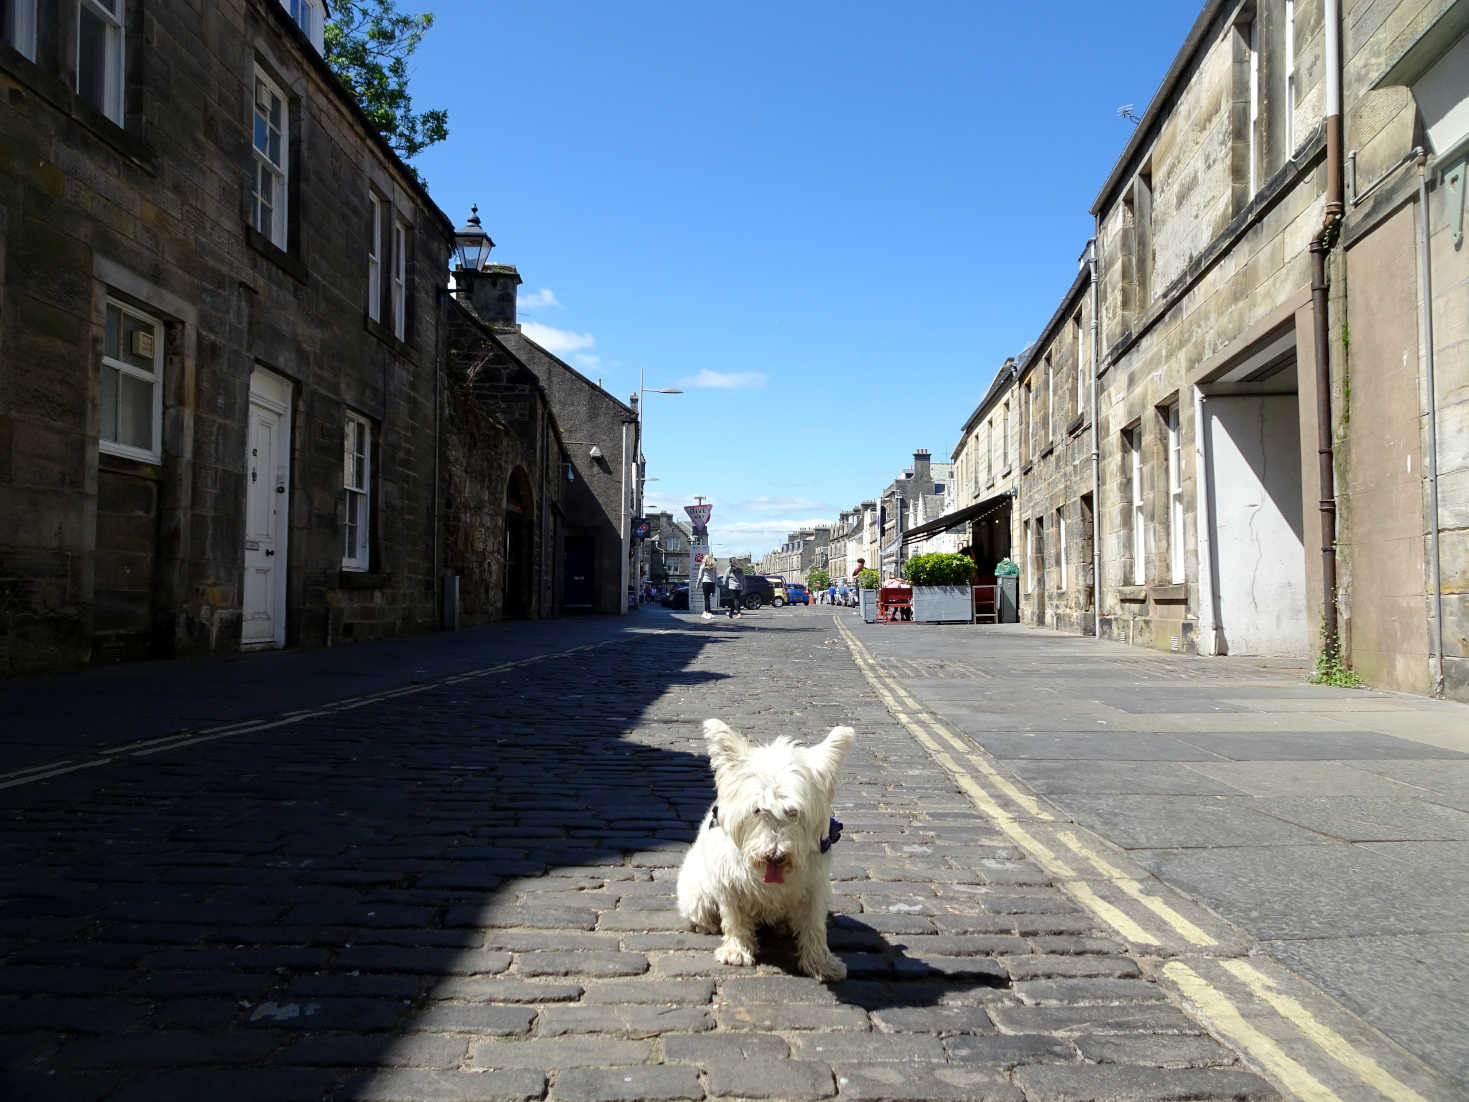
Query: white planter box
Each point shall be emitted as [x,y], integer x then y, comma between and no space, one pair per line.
[868,597]
[943,602]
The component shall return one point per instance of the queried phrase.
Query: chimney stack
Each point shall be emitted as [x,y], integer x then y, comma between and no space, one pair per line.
[492,294]
[921,471]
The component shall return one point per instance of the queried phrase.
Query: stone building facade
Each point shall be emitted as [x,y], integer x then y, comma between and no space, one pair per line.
[1054,503]
[803,551]
[1278,278]
[984,473]
[1402,427]
[506,494]
[218,310]
[595,561]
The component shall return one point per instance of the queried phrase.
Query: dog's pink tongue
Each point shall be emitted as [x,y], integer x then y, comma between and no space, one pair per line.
[775,872]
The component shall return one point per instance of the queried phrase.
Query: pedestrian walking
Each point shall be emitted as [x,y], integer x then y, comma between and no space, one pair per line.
[734,581]
[708,582]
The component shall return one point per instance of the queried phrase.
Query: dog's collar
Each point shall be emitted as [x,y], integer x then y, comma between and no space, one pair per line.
[833,832]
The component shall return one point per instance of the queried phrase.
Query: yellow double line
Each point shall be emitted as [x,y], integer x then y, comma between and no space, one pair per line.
[962,760]
[1315,1061]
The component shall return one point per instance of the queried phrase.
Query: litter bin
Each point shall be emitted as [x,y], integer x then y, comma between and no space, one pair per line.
[868,598]
[1008,598]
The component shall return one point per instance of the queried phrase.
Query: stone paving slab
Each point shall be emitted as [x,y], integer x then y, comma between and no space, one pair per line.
[466,892]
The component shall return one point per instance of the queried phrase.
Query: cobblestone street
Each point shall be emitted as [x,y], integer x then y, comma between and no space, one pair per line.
[464,890]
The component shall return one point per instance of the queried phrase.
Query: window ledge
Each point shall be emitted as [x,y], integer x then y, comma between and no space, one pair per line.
[1047,450]
[1133,594]
[1077,424]
[291,265]
[1026,468]
[1175,592]
[55,92]
[364,579]
[385,334]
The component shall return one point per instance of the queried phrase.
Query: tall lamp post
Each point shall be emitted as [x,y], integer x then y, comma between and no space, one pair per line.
[642,461]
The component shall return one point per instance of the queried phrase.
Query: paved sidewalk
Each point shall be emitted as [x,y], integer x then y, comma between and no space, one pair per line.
[462,889]
[1328,827]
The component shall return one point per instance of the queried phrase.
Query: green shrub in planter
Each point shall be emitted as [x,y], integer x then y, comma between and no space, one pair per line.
[939,569]
[869,579]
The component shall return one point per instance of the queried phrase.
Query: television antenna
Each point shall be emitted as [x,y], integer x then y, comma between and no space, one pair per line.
[1126,112]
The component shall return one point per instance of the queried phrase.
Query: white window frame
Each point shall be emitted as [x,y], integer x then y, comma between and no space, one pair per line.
[1005,437]
[19,31]
[1080,365]
[1175,496]
[1252,36]
[1290,76]
[308,16]
[280,173]
[375,260]
[1050,399]
[399,289]
[1061,543]
[154,452]
[1139,541]
[356,492]
[1029,557]
[114,52]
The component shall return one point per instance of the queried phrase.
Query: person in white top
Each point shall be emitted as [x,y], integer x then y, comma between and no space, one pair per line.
[708,582]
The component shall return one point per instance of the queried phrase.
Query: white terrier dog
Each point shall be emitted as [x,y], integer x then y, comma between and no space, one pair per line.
[761,856]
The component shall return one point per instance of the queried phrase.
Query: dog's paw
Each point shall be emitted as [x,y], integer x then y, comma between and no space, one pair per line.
[826,967]
[733,953]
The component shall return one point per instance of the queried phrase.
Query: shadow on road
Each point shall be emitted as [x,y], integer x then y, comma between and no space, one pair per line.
[271,914]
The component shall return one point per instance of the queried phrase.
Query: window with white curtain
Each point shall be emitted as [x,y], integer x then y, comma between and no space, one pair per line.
[99,55]
[308,15]
[375,259]
[1061,543]
[18,26]
[357,489]
[131,421]
[1134,440]
[270,142]
[1078,334]
[400,279]
[1175,497]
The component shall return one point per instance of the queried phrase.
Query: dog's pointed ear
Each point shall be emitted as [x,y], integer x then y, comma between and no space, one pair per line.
[826,756]
[725,746]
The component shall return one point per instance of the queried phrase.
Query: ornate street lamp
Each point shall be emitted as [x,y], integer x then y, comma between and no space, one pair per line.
[471,244]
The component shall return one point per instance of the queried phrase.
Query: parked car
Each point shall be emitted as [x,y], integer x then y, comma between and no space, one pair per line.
[797,594]
[757,593]
[778,595]
[677,597]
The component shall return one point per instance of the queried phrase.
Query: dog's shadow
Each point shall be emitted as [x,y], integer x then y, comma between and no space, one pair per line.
[882,976]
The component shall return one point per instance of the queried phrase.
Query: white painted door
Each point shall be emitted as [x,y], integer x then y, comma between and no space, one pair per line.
[267,493]
[1255,455]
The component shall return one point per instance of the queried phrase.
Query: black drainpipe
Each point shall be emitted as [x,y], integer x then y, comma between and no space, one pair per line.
[1321,244]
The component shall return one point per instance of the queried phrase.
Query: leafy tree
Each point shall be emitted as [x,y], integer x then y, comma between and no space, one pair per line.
[368,43]
[818,579]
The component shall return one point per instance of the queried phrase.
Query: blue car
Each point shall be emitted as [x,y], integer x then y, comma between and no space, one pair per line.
[797,594]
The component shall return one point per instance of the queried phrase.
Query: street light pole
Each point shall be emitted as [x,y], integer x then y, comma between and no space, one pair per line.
[642,460]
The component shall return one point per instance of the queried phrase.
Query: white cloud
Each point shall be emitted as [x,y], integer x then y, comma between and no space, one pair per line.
[538,300]
[586,361]
[716,380]
[560,342]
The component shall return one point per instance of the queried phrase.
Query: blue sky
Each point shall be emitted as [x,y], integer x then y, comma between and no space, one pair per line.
[828,223]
